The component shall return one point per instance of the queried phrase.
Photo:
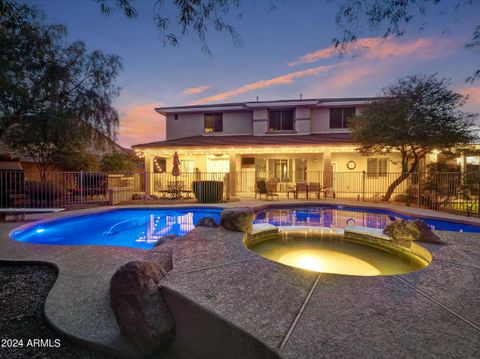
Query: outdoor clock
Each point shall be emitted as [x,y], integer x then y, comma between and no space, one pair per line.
[351,165]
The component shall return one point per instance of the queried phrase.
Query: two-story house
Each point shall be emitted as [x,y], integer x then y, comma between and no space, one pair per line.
[288,140]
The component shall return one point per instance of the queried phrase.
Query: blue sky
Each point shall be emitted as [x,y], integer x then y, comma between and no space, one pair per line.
[273,62]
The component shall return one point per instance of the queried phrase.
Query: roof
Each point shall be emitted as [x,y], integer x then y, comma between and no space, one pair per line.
[239,106]
[249,140]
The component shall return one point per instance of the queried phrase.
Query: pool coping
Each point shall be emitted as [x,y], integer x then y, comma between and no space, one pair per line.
[56,256]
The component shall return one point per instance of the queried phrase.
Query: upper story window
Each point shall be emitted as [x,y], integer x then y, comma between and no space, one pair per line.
[213,122]
[339,116]
[281,120]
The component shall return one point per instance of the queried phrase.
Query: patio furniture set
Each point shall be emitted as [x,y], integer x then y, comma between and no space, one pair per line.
[269,189]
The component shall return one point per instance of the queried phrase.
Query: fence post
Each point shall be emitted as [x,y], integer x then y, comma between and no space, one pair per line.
[363,185]
[81,188]
[419,188]
[145,185]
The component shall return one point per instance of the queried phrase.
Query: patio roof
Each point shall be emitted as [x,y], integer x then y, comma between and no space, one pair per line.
[249,140]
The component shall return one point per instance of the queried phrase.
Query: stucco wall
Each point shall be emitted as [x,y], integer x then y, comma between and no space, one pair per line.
[192,124]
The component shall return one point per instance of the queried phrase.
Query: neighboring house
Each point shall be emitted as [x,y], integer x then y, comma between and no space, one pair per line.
[288,140]
[104,146]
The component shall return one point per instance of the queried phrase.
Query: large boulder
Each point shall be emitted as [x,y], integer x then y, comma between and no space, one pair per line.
[237,219]
[207,222]
[165,239]
[413,230]
[140,309]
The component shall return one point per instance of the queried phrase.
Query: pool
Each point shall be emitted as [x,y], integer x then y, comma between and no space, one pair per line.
[337,216]
[137,228]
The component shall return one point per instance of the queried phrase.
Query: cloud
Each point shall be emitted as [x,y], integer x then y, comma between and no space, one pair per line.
[473,93]
[380,48]
[195,90]
[279,80]
[140,124]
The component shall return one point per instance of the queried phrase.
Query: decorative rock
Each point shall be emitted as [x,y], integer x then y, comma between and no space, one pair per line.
[207,222]
[237,219]
[413,230]
[139,307]
[167,238]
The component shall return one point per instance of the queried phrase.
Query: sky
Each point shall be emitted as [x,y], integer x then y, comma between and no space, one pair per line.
[286,52]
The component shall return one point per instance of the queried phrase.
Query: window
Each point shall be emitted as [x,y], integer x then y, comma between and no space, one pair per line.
[280,120]
[187,166]
[213,122]
[280,169]
[159,165]
[339,116]
[377,167]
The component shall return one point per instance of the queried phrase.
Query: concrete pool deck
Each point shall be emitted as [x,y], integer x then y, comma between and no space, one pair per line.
[434,312]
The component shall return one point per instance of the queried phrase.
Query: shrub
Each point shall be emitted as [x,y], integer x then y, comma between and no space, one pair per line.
[208,191]
[43,193]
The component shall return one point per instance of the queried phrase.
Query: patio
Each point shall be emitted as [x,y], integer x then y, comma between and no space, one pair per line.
[285,311]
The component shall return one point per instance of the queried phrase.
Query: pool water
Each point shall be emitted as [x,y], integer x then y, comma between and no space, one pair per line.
[336,255]
[138,228]
[331,216]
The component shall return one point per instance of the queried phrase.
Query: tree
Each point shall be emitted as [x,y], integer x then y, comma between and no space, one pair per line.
[413,116]
[118,162]
[55,97]
[391,17]
[176,18]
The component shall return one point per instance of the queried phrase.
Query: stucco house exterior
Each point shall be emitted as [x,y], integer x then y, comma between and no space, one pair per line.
[303,140]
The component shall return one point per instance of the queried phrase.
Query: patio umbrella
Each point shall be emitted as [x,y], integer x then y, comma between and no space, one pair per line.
[176,166]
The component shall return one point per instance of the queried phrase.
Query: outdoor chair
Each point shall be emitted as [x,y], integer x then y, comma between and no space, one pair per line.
[316,189]
[263,189]
[301,187]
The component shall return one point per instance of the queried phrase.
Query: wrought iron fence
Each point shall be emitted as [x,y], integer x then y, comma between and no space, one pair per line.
[72,190]
[446,191]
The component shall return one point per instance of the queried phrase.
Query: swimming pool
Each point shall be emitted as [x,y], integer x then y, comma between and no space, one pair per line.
[137,228]
[338,216]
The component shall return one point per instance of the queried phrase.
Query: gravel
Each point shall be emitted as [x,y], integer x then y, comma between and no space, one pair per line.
[23,290]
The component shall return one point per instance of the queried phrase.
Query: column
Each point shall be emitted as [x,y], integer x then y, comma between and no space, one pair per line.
[148,180]
[233,175]
[327,169]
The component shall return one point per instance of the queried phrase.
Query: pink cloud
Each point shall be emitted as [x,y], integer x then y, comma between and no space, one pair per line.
[140,124]
[379,48]
[473,94]
[350,75]
[195,90]
[279,80]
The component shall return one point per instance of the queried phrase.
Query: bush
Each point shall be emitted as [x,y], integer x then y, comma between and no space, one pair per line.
[208,191]
[43,193]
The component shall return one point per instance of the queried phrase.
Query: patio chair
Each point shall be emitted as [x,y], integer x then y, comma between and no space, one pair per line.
[316,189]
[262,188]
[301,187]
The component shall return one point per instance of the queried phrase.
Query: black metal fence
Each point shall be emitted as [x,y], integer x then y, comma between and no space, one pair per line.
[72,190]
[454,192]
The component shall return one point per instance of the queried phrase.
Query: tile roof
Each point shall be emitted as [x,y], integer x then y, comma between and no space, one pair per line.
[249,140]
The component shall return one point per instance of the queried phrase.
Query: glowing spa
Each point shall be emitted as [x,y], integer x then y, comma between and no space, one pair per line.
[352,253]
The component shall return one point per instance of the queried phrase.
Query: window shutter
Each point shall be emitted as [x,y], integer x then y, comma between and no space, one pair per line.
[382,167]
[372,167]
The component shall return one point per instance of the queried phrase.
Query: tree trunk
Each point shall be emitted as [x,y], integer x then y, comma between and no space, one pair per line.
[395,184]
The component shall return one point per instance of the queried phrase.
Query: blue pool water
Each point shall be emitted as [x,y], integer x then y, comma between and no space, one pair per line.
[141,228]
[138,228]
[343,216]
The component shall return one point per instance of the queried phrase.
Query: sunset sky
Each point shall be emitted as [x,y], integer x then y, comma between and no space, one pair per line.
[285,52]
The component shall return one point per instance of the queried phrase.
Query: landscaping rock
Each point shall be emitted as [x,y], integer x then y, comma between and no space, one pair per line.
[207,222]
[413,230]
[164,239]
[139,307]
[237,219]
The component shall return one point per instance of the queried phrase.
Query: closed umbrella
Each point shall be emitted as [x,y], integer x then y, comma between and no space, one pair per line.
[176,173]
[176,165]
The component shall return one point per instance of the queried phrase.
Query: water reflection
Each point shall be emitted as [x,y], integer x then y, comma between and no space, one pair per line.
[324,217]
